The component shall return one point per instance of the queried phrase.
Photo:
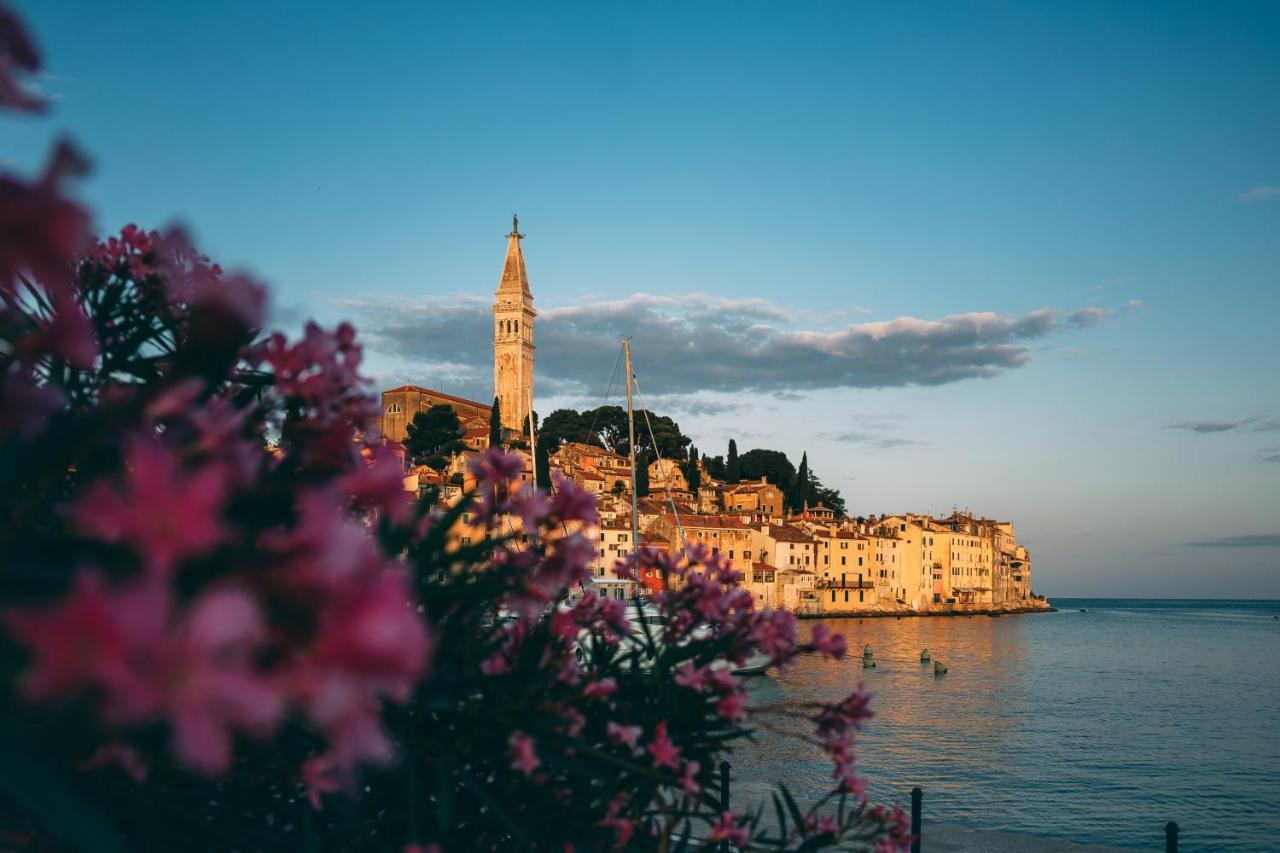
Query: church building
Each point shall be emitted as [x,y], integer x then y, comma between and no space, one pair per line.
[513,316]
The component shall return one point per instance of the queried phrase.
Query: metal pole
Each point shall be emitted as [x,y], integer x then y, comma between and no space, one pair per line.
[724,796]
[631,433]
[916,796]
[1171,837]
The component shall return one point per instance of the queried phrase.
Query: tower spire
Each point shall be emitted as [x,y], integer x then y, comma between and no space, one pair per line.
[513,336]
[515,279]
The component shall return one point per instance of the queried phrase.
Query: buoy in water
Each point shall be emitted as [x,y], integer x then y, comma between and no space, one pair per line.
[924,656]
[939,667]
[1084,610]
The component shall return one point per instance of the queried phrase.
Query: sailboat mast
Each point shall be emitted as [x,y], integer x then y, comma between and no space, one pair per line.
[631,434]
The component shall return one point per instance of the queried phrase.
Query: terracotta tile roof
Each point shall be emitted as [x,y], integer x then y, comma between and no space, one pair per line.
[441,394]
[782,533]
[718,522]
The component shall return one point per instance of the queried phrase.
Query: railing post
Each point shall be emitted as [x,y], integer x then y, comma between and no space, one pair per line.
[724,797]
[916,796]
[1171,837]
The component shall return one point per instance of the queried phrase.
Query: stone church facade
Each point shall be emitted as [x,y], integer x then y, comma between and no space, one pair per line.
[513,317]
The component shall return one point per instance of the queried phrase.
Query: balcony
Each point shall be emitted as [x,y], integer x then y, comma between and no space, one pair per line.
[836,583]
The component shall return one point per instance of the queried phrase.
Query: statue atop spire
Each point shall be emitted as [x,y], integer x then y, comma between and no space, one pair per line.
[515,227]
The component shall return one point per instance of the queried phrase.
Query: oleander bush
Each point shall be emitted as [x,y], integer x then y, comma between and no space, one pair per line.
[224,625]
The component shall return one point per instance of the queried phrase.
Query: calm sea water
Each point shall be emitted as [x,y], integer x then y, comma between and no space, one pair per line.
[1096,727]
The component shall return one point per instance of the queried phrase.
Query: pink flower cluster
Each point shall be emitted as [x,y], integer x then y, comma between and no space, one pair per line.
[220,589]
[836,727]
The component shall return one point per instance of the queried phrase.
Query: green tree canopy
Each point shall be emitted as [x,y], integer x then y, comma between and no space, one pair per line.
[732,469]
[773,464]
[606,427]
[714,466]
[433,435]
[563,425]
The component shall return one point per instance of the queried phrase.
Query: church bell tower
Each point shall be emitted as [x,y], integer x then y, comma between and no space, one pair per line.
[513,336]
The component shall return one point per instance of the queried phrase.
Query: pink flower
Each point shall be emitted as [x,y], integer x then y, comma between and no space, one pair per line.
[829,644]
[17,54]
[320,776]
[623,828]
[64,333]
[374,632]
[414,847]
[821,825]
[572,502]
[165,513]
[380,484]
[525,759]
[347,710]
[495,467]
[121,755]
[624,735]
[602,689]
[733,706]
[575,721]
[689,779]
[775,634]
[728,828]
[664,752]
[694,678]
[39,229]
[208,683]
[85,641]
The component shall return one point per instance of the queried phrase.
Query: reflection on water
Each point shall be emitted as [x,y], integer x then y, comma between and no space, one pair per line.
[1098,726]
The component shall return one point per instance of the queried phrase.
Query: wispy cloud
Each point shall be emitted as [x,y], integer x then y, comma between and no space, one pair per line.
[1262,192]
[1249,424]
[1124,279]
[870,439]
[1271,454]
[1249,540]
[698,342]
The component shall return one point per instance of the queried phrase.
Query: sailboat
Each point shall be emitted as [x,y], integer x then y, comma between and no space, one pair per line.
[757,662]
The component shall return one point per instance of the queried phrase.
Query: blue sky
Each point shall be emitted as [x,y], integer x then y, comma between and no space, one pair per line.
[801,168]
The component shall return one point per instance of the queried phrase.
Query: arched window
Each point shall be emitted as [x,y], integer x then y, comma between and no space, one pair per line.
[393,409]
[517,326]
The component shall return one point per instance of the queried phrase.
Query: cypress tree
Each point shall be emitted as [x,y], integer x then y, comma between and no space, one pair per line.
[692,473]
[801,493]
[732,471]
[542,463]
[495,424]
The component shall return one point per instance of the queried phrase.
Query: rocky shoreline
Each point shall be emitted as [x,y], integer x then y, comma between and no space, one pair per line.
[900,612]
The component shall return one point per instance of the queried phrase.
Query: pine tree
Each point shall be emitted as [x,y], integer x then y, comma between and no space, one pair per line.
[495,424]
[732,470]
